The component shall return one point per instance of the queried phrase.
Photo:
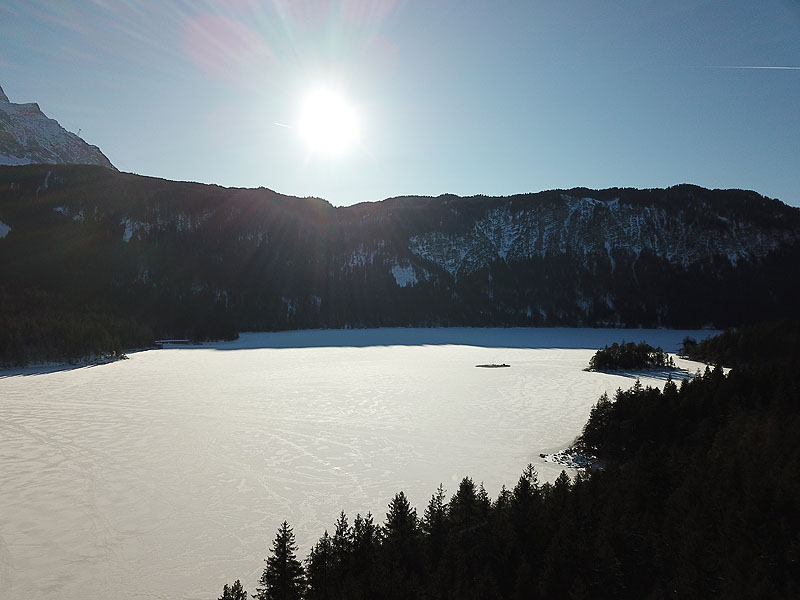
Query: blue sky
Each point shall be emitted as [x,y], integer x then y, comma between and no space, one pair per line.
[468,98]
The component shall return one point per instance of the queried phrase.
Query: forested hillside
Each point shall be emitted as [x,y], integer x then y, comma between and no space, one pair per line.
[92,259]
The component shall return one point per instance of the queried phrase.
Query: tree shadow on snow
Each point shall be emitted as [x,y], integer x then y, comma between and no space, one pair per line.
[49,368]
[512,337]
[664,374]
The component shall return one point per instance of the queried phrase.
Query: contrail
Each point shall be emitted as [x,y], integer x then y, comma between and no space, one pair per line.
[755,67]
[281,125]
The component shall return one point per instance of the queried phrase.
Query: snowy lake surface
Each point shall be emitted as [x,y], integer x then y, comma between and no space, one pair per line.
[167,475]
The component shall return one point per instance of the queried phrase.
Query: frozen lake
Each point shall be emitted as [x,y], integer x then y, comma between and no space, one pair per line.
[167,475]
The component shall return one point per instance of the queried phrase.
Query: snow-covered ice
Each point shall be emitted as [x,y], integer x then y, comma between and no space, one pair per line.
[167,475]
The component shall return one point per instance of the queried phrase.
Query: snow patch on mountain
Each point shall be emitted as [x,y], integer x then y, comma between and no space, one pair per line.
[360,257]
[589,227]
[128,233]
[255,237]
[500,230]
[404,276]
[138,229]
[181,222]
[445,250]
[291,306]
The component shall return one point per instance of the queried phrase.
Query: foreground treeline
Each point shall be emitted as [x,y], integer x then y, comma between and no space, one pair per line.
[698,498]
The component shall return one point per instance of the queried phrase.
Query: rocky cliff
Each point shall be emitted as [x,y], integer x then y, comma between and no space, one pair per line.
[28,136]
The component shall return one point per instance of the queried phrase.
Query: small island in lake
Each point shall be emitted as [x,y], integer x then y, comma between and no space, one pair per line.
[630,357]
[493,366]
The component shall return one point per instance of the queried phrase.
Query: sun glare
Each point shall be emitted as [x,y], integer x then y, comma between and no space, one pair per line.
[328,122]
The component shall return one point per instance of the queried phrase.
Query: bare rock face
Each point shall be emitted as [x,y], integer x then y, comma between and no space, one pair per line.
[28,136]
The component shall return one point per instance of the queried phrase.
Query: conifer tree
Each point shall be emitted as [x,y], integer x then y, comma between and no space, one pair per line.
[526,489]
[318,570]
[233,592]
[525,502]
[560,490]
[503,499]
[365,545]
[466,527]
[365,535]
[342,539]
[342,546]
[283,577]
[484,502]
[464,504]
[401,520]
[401,544]
[435,526]
[435,513]
[670,389]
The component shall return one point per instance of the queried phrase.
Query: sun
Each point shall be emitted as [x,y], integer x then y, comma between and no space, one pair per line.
[328,122]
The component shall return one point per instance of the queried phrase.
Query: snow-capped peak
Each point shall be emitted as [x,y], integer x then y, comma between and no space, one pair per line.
[28,136]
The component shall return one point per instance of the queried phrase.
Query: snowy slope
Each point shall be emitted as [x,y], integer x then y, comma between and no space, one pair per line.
[588,227]
[28,136]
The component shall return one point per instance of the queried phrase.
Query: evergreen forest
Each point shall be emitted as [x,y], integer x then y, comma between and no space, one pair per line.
[629,357]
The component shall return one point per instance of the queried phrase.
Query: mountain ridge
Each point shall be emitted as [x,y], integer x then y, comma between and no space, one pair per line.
[195,260]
